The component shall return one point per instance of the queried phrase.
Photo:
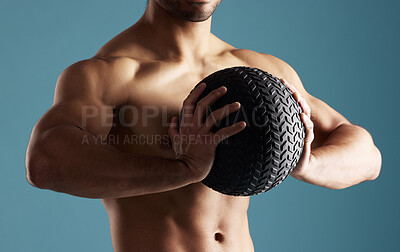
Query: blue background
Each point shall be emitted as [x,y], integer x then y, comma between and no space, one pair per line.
[345,51]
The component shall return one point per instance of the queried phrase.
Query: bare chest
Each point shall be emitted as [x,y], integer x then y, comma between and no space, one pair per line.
[155,96]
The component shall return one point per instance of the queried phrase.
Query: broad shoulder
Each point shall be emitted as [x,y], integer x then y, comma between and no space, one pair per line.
[270,64]
[102,78]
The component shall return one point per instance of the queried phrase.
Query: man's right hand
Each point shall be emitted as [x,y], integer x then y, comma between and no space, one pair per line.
[194,143]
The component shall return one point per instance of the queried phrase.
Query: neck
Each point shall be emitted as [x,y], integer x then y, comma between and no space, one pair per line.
[177,38]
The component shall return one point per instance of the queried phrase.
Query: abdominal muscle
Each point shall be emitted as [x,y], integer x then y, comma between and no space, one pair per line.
[192,218]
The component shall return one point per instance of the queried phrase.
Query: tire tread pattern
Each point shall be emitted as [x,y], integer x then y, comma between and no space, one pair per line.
[262,155]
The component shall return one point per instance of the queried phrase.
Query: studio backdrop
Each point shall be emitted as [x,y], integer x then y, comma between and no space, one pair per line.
[346,52]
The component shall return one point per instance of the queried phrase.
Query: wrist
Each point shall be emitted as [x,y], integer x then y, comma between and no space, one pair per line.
[185,171]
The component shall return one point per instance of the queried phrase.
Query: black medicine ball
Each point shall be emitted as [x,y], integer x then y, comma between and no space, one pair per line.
[263,154]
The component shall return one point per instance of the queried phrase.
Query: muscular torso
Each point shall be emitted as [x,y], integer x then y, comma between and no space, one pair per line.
[191,218]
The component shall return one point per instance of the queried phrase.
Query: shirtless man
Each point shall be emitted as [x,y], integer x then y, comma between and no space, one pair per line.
[152,191]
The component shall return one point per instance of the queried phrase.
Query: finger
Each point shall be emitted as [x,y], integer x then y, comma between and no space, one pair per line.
[205,102]
[173,130]
[303,103]
[219,114]
[226,132]
[309,129]
[289,85]
[298,97]
[189,103]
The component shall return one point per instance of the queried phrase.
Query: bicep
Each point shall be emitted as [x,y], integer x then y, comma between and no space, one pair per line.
[324,117]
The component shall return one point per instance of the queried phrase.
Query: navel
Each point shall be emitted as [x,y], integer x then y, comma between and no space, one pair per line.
[218,237]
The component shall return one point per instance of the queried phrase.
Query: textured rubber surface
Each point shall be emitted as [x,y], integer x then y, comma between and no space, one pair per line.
[262,155]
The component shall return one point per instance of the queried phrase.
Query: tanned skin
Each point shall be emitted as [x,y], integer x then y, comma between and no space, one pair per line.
[152,190]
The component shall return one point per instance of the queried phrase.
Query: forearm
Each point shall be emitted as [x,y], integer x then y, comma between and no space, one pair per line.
[347,157]
[59,160]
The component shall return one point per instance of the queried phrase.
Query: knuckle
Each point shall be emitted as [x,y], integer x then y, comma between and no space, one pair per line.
[189,107]
[308,140]
[214,92]
[220,112]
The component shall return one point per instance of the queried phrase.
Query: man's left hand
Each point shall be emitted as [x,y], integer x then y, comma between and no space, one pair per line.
[306,157]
